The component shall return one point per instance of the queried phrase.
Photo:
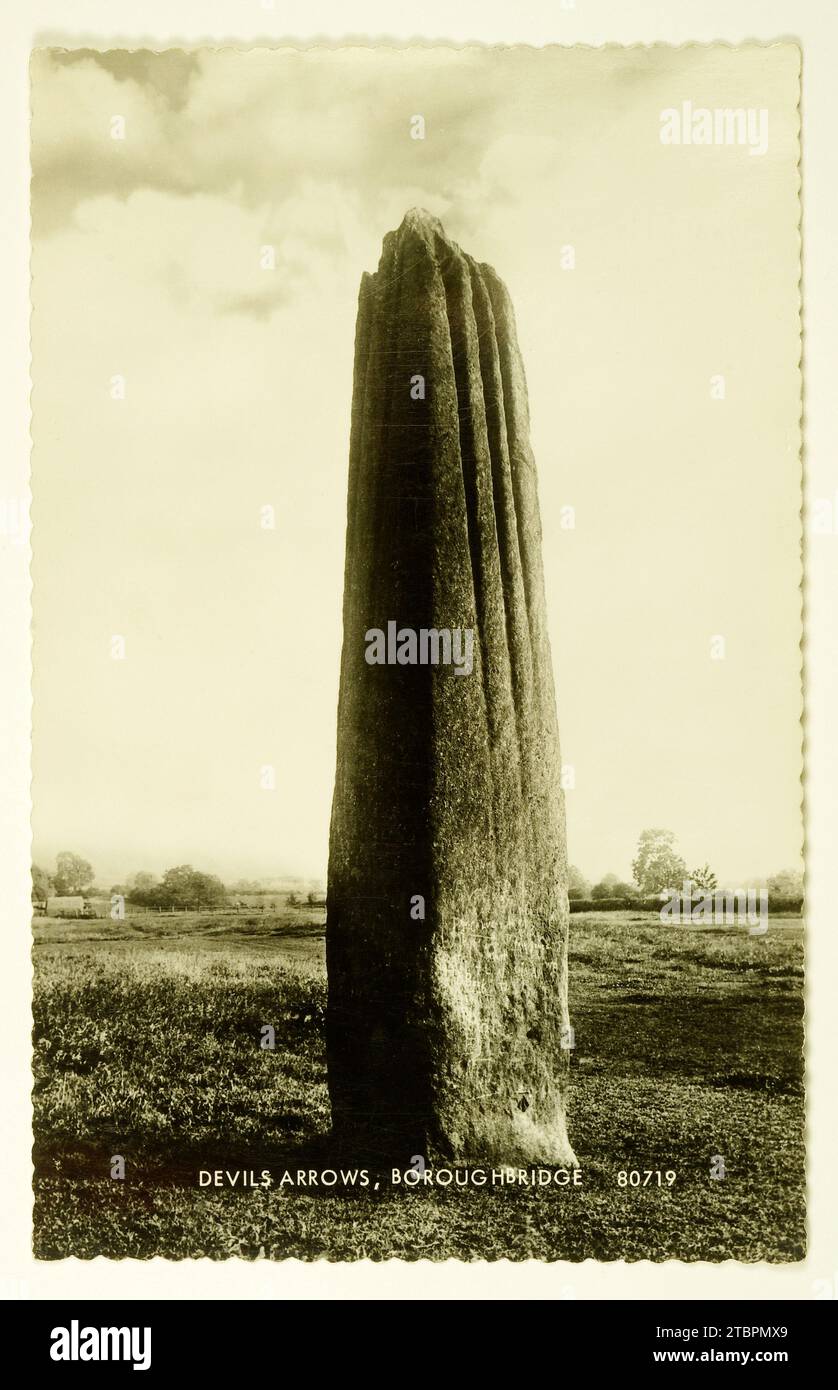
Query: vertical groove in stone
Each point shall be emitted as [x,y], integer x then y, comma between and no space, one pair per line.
[444,1034]
[522,465]
[506,530]
[540,778]
[358,486]
[469,406]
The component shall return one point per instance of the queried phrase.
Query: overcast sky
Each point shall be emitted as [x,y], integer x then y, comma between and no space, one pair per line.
[146,264]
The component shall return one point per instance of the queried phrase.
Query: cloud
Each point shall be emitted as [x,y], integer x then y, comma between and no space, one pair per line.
[257,306]
[169,73]
[256,127]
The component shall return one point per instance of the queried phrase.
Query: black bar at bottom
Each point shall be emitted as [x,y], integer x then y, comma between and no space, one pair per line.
[147,1337]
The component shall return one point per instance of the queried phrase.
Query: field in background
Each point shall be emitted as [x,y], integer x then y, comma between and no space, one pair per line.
[688,1045]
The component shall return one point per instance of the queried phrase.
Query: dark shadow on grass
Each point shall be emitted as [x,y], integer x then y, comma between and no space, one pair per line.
[758,1081]
[150,1164]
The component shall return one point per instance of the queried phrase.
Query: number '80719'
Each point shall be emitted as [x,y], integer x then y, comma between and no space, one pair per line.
[646,1177]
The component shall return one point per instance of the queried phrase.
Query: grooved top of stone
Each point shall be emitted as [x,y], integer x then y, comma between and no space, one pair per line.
[418,220]
[423,226]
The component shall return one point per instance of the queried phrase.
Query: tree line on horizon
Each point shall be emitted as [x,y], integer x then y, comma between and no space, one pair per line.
[657,868]
[181,886]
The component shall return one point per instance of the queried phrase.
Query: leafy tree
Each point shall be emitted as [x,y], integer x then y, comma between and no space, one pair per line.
[577,885]
[42,884]
[73,875]
[657,866]
[625,890]
[787,884]
[704,879]
[141,888]
[184,886]
[605,887]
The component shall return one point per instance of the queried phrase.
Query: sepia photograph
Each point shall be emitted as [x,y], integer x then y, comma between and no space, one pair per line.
[417,828]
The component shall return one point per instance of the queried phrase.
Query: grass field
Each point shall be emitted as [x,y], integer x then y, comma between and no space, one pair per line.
[147,1044]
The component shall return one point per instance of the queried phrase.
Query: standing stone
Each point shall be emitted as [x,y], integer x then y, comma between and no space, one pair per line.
[446,1032]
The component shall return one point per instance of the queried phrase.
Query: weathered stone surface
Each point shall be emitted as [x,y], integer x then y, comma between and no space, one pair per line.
[445,1034]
